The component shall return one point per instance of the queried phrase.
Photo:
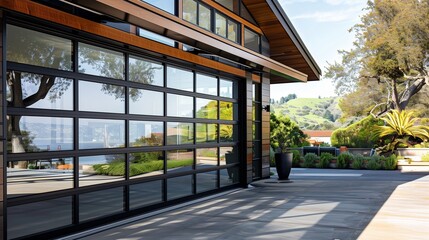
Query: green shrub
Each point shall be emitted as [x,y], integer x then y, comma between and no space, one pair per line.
[296,158]
[325,159]
[374,163]
[358,161]
[425,157]
[310,160]
[344,160]
[390,163]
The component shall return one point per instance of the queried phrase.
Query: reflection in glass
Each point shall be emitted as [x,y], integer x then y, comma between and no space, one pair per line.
[39,49]
[101,169]
[180,160]
[204,17]
[206,108]
[228,155]
[251,40]
[180,79]
[229,176]
[220,25]
[166,5]
[179,106]
[101,133]
[206,181]
[179,187]
[29,89]
[144,133]
[206,84]
[144,164]
[226,133]
[232,31]
[99,97]
[156,37]
[206,157]
[206,132]
[39,176]
[101,62]
[144,194]
[146,102]
[190,11]
[144,71]
[35,134]
[23,220]
[180,133]
[101,203]
[226,111]
[226,88]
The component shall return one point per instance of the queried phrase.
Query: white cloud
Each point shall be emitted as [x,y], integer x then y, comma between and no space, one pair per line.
[331,16]
[344,2]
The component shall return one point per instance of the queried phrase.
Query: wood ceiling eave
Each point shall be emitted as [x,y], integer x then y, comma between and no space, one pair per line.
[284,48]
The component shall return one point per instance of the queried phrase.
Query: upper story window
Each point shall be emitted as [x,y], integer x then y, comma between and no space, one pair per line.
[252,40]
[156,37]
[226,28]
[238,8]
[166,5]
[197,14]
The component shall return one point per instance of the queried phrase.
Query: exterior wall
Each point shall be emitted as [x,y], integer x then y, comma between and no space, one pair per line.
[249,130]
[265,127]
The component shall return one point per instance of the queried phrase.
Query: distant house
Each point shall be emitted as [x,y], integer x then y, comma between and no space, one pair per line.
[317,137]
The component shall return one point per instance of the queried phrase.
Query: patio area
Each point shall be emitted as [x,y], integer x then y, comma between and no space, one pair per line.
[317,204]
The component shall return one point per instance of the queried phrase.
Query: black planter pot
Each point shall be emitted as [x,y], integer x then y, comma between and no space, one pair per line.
[283,164]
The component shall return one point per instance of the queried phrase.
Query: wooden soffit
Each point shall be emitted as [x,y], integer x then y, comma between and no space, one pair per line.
[146,16]
[285,44]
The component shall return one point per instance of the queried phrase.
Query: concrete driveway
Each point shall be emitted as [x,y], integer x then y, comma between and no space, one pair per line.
[317,204]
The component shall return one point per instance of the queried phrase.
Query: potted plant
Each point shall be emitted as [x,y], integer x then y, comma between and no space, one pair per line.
[284,134]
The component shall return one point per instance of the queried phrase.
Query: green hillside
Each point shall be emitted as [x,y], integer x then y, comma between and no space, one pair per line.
[311,113]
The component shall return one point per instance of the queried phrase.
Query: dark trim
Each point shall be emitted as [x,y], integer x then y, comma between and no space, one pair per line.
[3,234]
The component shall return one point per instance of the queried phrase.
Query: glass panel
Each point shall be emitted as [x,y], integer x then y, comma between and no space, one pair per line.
[144,164]
[180,160]
[206,84]
[206,132]
[31,89]
[228,155]
[206,181]
[99,97]
[227,133]
[36,134]
[166,5]
[220,25]
[101,62]
[101,133]
[180,106]
[180,133]
[180,79]
[206,108]
[39,176]
[232,31]
[101,203]
[146,102]
[179,187]
[227,3]
[146,133]
[101,169]
[39,49]
[206,157]
[251,40]
[204,18]
[226,88]
[229,176]
[244,13]
[144,71]
[37,217]
[190,11]
[156,37]
[144,194]
[226,111]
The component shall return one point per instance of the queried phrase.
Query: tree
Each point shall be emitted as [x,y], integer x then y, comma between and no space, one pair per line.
[390,53]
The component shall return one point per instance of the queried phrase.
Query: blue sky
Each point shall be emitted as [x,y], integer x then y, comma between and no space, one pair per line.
[323,26]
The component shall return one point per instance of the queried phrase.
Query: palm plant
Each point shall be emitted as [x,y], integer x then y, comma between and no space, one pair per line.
[400,128]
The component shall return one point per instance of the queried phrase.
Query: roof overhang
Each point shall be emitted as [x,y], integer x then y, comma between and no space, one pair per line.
[285,44]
